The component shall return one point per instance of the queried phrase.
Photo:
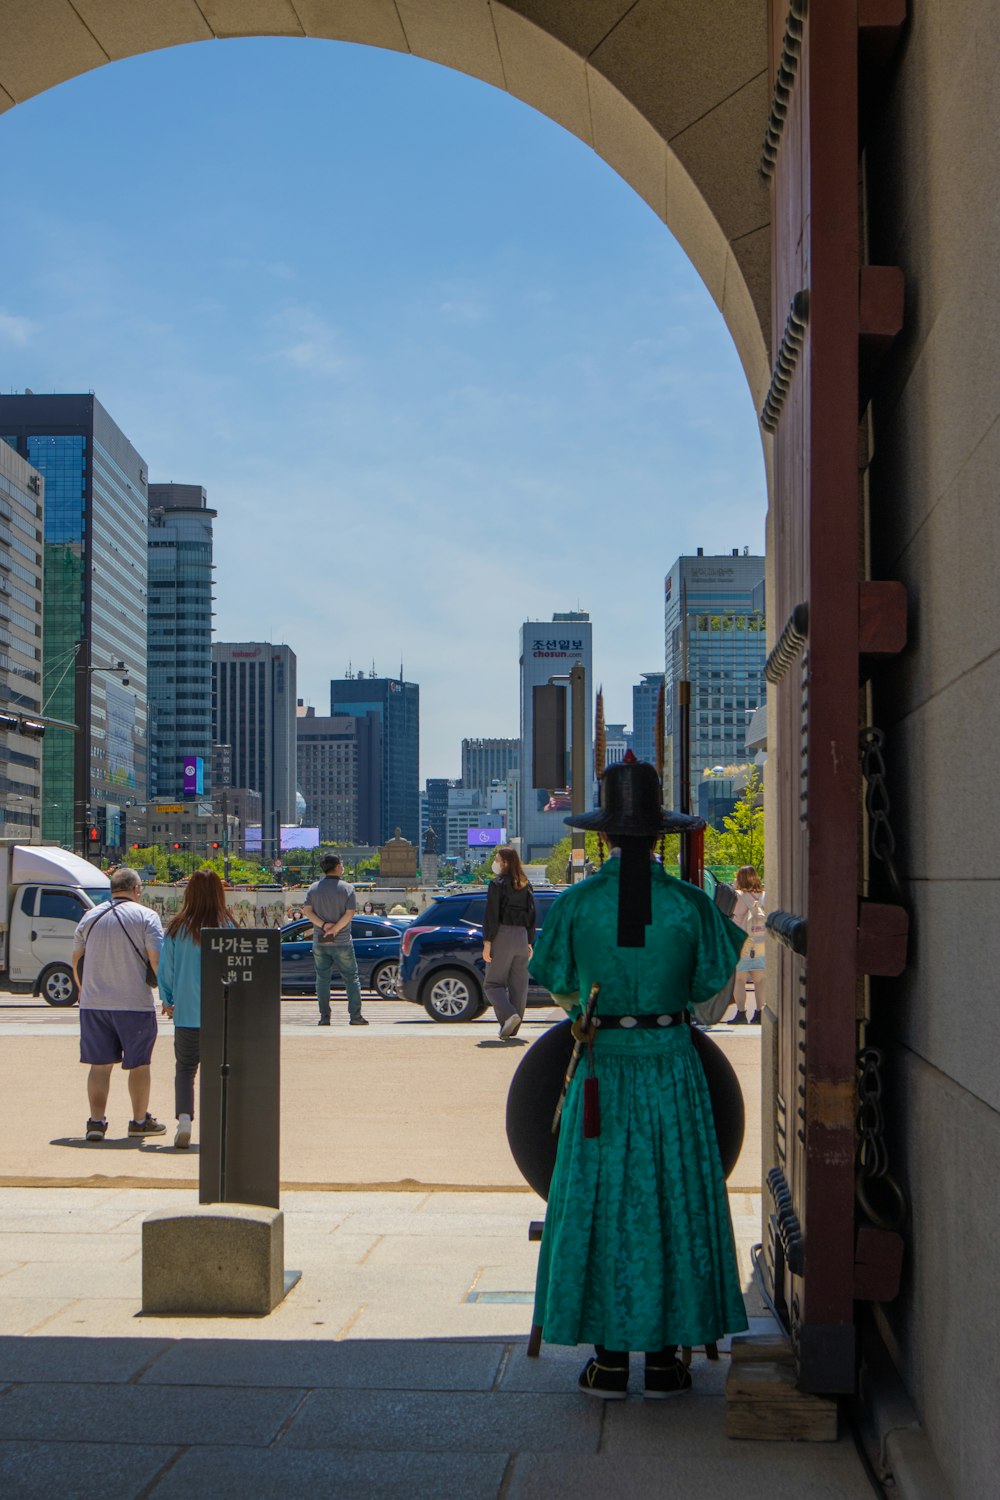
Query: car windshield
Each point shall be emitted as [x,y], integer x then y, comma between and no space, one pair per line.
[99,894]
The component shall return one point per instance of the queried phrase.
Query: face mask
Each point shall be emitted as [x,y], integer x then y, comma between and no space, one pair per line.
[496,867]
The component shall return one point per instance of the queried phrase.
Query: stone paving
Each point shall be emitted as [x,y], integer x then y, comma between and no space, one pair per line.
[396,1367]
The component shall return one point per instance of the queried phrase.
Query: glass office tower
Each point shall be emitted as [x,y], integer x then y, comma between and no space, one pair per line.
[397,704]
[95,594]
[180,635]
[253,712]
[645,698]
[714,623]
[487,761]
[21,512]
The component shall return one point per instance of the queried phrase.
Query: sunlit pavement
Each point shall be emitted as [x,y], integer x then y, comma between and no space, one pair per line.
[397,1365]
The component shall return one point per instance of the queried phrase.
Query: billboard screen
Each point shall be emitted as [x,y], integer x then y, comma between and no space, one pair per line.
[292,837]
[486,836]
[194,776]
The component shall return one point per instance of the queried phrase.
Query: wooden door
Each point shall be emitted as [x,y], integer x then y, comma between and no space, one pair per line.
[819,288]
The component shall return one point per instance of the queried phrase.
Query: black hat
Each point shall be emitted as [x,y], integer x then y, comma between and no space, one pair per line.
[631,805]
[631,812]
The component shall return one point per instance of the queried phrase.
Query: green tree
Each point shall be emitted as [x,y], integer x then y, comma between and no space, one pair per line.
[556,869]
[741,841]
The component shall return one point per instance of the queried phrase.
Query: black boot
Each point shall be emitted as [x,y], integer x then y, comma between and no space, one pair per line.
[606,1375]
[666,1375]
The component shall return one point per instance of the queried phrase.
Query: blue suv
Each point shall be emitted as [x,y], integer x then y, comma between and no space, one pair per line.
[441,961]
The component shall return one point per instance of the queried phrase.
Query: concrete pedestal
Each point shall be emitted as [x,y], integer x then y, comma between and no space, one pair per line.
[214,1260]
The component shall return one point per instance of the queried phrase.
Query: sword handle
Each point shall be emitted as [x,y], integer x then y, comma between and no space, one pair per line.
[588,1016]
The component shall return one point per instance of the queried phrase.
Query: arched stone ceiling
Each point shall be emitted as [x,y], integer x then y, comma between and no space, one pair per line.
[673,94]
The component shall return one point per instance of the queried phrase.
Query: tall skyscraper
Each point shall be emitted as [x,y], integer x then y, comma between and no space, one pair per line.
[253,711]
[95,594]
[714,627]
[340,775]
[487,761]
[437,789]
[550,649]
[180,634]
[21,507]
[645,697]
[397,704]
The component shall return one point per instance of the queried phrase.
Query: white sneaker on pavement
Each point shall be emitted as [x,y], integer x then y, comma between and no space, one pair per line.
[182,1139]
[511,1026]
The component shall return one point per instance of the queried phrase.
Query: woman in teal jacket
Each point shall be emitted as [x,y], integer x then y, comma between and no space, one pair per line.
[179,981]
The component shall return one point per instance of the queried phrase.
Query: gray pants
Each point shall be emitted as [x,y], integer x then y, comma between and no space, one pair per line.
[507,975]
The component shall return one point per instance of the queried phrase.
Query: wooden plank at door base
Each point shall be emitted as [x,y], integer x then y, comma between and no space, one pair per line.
[758,1347]
[764,1404]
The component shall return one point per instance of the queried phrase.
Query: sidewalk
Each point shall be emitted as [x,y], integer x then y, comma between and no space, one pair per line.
[396,1368]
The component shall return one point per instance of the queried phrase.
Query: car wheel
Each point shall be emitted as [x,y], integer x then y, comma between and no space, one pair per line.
[385,980]
[451,995]
[58,986]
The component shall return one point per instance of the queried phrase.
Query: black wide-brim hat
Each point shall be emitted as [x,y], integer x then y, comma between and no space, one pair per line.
[631,805]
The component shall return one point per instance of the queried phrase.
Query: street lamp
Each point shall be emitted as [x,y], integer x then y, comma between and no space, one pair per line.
[81,749]
[31,814]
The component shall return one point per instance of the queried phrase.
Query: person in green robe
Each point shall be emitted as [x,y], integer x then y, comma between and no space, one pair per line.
[637,1252]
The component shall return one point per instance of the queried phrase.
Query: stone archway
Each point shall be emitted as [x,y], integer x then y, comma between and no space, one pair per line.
[673,97]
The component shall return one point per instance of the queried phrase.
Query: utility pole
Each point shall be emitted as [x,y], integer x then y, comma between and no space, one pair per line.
[225,833]
[578,766]
[81,748]
[556,754]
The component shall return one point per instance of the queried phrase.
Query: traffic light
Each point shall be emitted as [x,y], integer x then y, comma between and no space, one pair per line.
[136,846]
[216,846]
[95,835]
[177,846]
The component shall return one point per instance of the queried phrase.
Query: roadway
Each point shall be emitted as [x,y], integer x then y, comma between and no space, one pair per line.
[405,1100]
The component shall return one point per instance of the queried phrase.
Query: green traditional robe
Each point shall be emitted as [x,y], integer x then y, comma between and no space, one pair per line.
[638,1248]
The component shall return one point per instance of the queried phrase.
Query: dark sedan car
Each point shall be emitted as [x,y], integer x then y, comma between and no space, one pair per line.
[376,947]
[442,965]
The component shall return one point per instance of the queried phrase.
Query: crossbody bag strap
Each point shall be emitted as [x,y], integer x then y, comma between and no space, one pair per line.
[95,922]
[140,955]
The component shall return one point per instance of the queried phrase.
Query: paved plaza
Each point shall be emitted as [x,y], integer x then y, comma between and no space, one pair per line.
[397,1365]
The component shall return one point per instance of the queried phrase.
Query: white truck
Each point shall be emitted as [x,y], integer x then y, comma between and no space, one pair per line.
[44,891]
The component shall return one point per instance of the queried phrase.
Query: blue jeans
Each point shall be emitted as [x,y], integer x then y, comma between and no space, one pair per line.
[325,955]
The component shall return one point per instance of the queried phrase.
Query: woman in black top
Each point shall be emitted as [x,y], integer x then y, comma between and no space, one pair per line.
[509,933]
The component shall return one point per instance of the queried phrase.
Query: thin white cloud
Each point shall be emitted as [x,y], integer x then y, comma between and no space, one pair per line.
[15,329]
[466,310]
[308,341]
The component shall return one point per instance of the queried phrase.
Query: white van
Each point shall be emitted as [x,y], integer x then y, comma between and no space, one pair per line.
[44,891]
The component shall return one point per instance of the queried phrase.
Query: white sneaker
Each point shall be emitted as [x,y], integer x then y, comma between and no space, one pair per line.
[182,1139]
[511,1026]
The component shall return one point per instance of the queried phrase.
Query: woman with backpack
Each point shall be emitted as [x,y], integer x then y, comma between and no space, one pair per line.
[749,914]
[509,935]
[179,981]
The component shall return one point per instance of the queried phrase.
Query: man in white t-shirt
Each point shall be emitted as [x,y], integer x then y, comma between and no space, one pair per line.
[117,1011]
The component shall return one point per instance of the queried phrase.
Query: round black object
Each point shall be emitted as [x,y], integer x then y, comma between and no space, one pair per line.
[536,1085]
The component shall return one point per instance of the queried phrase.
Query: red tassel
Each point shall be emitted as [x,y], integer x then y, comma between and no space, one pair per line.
[591,1109]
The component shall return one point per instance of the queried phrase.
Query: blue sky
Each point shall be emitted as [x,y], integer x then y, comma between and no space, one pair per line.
[438,367]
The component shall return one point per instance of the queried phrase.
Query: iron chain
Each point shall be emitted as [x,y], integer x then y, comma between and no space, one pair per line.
[873,1159]
[881,839]
[886,1208]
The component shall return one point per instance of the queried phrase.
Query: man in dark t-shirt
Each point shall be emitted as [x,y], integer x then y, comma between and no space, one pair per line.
[329,905]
